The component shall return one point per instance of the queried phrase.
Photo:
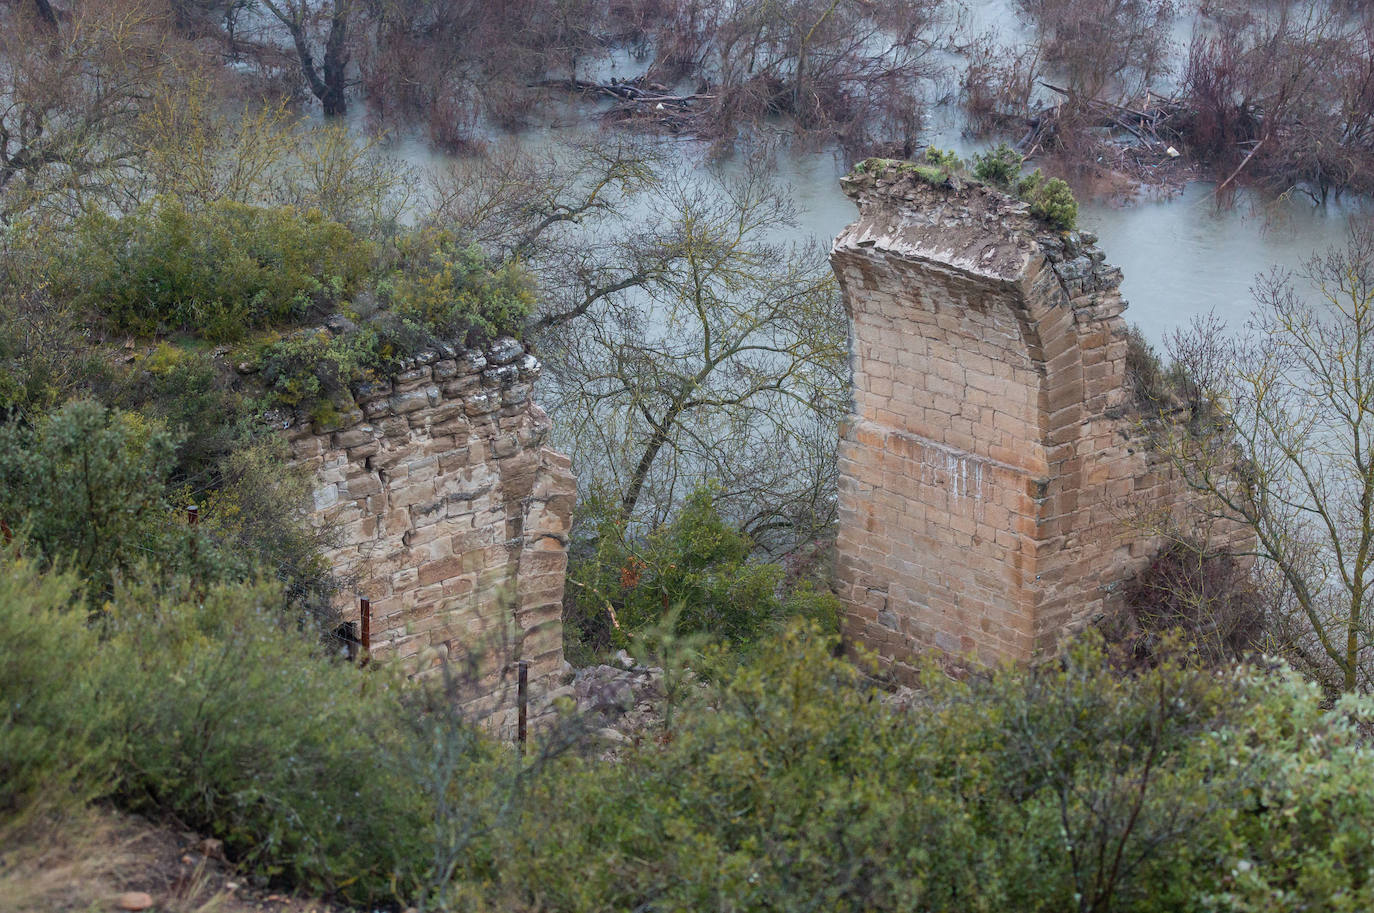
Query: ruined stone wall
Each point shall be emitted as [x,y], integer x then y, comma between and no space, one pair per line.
[450,515]
[993,477]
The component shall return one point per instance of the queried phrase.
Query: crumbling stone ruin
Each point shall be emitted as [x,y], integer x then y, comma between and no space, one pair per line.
[993,470]
[451,515]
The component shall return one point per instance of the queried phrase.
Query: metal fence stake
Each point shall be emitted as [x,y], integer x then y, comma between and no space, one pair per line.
[365,610]
[522,702]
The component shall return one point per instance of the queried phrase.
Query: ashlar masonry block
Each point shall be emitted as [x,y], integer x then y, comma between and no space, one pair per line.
[455,509]
[991,401]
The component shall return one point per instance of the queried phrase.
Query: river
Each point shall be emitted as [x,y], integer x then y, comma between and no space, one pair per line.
[1181,256]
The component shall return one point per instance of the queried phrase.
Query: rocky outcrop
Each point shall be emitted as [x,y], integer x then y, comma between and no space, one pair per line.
[992,473]
[450,515]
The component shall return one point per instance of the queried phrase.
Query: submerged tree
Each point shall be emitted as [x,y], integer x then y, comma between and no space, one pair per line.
[847,70]
[327,79]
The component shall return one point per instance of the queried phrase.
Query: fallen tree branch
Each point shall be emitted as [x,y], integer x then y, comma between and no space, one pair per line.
[1241,166]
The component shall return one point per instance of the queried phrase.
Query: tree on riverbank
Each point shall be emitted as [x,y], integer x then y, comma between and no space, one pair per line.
[1282,440]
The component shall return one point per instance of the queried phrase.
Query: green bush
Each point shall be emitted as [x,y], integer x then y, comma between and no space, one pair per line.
[697,567]
[455,291]
[53,726]
[216,272]
[1051,200]
[94,490]
[1064,787]
[313,369]
[790,785]
[1000,167]
[234,723]
[436,292]
[182,389]
[88,486]
[202,704]
[946,159]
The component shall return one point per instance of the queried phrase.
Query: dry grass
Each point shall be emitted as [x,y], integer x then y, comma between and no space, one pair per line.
[81,862]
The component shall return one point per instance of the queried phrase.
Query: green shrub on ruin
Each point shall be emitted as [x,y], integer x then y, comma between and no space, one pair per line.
[314,366]
[1051,199]
[1000,167]
[946,159]
[456,291]
[216,272]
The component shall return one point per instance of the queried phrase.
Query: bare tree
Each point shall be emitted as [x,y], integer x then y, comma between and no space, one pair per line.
[328,80]
[456,64]
[1282,441]
[681,342]
[1284,93]
[725,361]
[71,98]
[851,70]
[1102,46]
[45,12]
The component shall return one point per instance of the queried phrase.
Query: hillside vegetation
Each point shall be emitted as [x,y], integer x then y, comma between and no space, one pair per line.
[190,261]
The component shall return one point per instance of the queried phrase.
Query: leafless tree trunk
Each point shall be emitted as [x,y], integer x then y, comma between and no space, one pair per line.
[45,12]
[328,81]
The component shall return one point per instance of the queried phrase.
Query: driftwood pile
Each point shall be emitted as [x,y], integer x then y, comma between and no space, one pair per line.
[1148,120]
[1140,137]
[639,99]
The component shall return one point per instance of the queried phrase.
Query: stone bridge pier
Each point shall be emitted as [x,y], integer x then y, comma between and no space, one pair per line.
[992,465]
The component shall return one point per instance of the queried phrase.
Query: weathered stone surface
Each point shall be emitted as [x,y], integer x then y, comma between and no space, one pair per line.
[988,495]
[504,351]
[454,526]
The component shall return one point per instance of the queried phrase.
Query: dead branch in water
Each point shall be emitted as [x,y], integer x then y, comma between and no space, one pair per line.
[636,98]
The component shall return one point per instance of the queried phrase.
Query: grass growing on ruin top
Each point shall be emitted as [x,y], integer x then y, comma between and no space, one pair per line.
[1050,199]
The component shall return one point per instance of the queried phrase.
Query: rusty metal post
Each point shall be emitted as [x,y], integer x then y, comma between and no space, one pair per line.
[192,514]
[365,610]
[522,697]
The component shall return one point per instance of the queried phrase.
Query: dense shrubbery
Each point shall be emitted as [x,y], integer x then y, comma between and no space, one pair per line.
[224,270]
[231,719]
[217,272]
[436,291]
[205,704]
[96,491]
[52,749]
[697,569]
[786,785]
[453,290]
